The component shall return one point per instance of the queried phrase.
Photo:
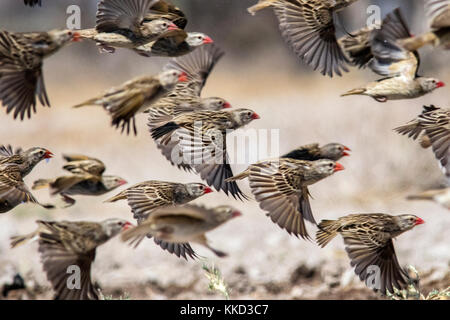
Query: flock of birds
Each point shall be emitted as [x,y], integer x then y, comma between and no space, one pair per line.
[174,105]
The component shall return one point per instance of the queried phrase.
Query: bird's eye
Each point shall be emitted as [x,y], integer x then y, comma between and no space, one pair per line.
[69,33]
[199,38]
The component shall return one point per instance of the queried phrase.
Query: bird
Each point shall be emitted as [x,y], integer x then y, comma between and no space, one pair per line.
[186,96]
[148,196]
[438,12]
[369,245]
[441,196]
[280,186]
[86,179]
[198,140]
[165,10]
[122,24]
[182,224]
[21,60]
[397,65]
[13,190]
[309,29]
[312,152]
[66,247]
[174,43]
[433,129]
[32,3]
[134,96]
[26,160]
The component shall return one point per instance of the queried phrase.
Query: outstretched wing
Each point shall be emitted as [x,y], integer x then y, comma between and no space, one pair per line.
[438,12]
[79,164]
[13,190]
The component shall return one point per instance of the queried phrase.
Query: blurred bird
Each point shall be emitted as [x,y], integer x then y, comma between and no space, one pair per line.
[32,3]
[148,196]
[122,24]
[13,190]
[185,97]
[281,188]
[25,160]
[438,12]
[21,60]
[433,128]
[309,29]
[357,46]
[182,224]
[198,140]
[398,65]
[165,10]
[368,242]
[86,179]
[441,196]
[134,96]
[174,43]
[312,152]
[67,247]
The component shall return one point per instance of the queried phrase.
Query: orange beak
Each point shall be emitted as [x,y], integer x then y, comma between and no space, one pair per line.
[255,116]
[183,77]
[76,37]
[207,40]
[338,167]
[227,105]
[419,221]
[208,190]
[48,155]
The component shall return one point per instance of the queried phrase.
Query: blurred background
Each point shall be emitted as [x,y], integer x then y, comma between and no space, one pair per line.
[258,72]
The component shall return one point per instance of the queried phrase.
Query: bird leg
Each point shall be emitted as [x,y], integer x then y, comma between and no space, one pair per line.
[203,241]
[70,201]
[103,48]
[381,99]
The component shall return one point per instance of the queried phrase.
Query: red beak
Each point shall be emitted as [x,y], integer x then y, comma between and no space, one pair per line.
[208,190]
[172,27]
[338,167]
[207,40]
[347,148]
[127,226]
[183,77]
[122,182]
[76,37]
[440,84]
[236,214]
[227,105]
[419,221]
[48,155]
[255,116]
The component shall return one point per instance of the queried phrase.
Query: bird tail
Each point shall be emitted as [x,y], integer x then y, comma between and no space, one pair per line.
[89,102]
[426,195]
[239,176]
[20,240]
[41,184]
[135,235]
[163,130]
[87,33]
[262,4]
[354,92]
[413,44]
[327,231]
[120,196]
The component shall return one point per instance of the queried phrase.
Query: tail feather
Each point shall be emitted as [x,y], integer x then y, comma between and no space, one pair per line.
[20,240]
[89,102]
[87,33]
[239,176]
[120,196]
[328,229]
[41,184]
[354,92]
[413,44]
[262,4]
[164,130]
[135,235]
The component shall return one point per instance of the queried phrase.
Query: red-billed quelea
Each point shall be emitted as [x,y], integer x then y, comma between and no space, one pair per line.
[26,160]
[398,65]
[86,179]
[312,152]
[21,60]
[122,24]
[369,245]
[64,245]
[438,12]
[146,197]
[309,29]
[125,101]
[182,224]
[174,43]
[281,188]
[198,140]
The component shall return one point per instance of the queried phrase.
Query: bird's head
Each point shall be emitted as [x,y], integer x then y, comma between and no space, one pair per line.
[225,213]
[334,151]
[35,155]
[61,37]
[430,84]
[196,190]
[114,226]
[113,182]
[408,221]
[243,117]
[323,168]
[215,104]
[157,27]
[196,39]
[170,78]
